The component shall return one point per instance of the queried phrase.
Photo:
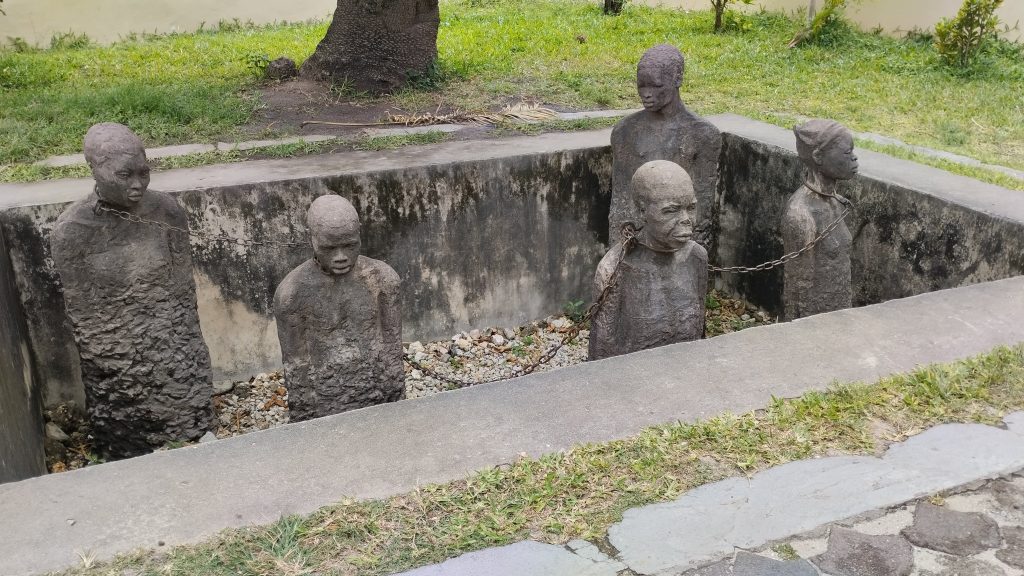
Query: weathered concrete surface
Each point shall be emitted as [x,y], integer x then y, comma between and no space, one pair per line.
[182,495]
[21,416]
[915,228]
[707,523]
[522,559]
[441,216]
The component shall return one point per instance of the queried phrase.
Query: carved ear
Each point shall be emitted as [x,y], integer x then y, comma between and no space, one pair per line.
[816,156]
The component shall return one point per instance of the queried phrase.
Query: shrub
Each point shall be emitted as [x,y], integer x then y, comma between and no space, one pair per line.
[959,39]
[827,25]
[721,22]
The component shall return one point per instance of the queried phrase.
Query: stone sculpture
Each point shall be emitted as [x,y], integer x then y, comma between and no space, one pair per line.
[339,321]
[131,298]
[819,280]
[664,130]
[657,294]
[377,45]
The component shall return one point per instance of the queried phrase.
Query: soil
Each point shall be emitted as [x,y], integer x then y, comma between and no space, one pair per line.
[289,103]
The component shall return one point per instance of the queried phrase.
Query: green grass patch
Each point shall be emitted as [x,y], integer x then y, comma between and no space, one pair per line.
[197,87]
[977,172]
[579,493]
[390,142]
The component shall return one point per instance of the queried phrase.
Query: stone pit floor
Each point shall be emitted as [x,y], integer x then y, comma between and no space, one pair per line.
[467,358]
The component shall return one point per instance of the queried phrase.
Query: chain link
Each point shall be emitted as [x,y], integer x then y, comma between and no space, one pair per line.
[129,217]
[848,206]
[629,239]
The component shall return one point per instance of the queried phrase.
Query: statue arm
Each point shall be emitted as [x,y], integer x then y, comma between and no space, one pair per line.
[294,348]
[602,325]
[389,308]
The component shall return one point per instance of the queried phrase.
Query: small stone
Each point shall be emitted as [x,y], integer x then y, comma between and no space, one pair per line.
[958,533]
[498,340]
[851,553]
[745,317]
[71,521]
[416,347]
[222,387]
[416,375]
[242,389]
[510,334]
[281,69]
[208,437]
[53,432]
[464,344]
[747,564]
[475,334]
[1013,554]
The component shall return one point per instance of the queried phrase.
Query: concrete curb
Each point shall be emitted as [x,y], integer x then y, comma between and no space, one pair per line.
[711,522]
[185,495]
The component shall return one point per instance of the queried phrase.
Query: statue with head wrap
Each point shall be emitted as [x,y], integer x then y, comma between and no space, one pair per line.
[339,321]
[658,286]
[664,130]
[131,299]
[819,280]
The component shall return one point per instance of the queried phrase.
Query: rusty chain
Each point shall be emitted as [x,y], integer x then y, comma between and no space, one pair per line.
[628,240]
[129,217]
[848,205]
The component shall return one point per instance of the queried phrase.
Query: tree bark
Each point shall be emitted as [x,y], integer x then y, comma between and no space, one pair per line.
[375,46]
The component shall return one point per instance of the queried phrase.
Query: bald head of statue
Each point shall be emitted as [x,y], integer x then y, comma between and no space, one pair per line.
[334,228]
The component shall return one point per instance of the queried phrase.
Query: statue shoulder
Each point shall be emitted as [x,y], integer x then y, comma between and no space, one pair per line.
[74,221]
[165,206]
[293,282]
[606,267]
[379,273]
[698,251]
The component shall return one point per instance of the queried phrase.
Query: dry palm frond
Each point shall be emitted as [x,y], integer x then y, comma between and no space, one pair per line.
[521,112]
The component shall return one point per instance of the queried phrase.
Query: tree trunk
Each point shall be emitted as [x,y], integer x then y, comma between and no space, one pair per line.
[613,6]
[375,46]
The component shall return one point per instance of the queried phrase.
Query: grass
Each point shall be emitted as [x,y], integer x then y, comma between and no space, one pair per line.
[580,492]
[199,87]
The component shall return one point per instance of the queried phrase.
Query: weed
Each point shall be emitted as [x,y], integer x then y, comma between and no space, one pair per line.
[70,41]
[575,310]
[786,552]
[389,142]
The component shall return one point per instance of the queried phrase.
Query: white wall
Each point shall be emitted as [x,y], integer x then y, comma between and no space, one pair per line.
[892,15]
[107,20]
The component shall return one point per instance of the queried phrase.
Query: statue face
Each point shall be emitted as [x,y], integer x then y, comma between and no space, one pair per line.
[657,88]
[122,178]
[669,217]
[837,160]
[336,249]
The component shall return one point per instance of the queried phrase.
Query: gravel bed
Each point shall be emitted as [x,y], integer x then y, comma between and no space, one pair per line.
[467,358]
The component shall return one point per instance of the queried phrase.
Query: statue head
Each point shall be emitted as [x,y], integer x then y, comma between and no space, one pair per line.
[664,194]
[334,228]
[659,76]
[117,159]
[826,149]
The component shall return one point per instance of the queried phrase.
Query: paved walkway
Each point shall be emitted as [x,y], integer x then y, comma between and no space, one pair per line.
[837,516]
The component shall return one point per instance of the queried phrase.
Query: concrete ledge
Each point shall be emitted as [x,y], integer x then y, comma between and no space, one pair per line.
[188,494]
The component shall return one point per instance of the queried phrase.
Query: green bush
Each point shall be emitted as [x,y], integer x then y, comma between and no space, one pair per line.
[961,38]
[730,20]
[826,27]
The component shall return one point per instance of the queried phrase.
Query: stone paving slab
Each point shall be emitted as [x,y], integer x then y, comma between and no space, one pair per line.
[708,523]
[522,559]
[711,530]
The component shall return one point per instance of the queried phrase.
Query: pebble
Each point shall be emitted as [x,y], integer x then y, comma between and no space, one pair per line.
[53,432]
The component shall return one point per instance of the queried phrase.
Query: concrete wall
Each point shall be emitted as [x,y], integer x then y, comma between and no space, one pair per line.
[21,419]
[108,20]
[495,241]
[105,21]
[892,15]
[500,232]
[915,229]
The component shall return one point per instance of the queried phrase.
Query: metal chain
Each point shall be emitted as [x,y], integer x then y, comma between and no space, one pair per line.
[848,205]
[628,240]
[129,217]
